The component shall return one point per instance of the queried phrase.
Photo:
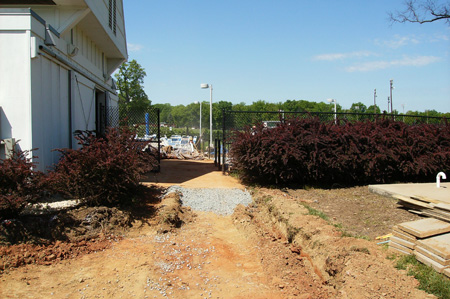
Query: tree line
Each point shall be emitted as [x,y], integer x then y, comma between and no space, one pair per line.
[188,115]
[132,96]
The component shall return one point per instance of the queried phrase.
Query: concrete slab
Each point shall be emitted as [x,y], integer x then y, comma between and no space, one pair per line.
[427,190]
[426,227]
[439,245]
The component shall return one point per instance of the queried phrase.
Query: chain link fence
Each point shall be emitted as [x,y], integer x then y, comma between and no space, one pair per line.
[240,120]
[146,123]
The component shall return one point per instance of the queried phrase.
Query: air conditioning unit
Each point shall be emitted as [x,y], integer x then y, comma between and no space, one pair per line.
[7,147]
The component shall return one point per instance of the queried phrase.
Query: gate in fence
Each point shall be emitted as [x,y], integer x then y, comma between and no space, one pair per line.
[146,123]
[241,120]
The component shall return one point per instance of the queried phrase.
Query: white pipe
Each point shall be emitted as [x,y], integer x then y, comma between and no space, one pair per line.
[438,178]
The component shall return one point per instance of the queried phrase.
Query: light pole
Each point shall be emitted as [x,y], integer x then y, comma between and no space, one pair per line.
[335,111]
[391,87]
[375,100]
[204,86]
[201,140]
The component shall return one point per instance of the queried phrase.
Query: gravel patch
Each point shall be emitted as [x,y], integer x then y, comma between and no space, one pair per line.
[218,200]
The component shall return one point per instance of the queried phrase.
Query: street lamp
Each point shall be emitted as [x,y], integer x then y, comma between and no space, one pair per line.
[201,140]
[335,111]
[204,86]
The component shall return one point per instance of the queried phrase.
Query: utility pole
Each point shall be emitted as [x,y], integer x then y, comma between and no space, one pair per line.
[389,104]
[375,100]
[391,88]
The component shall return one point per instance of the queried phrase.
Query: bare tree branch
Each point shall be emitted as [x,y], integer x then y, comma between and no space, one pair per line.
[422,12]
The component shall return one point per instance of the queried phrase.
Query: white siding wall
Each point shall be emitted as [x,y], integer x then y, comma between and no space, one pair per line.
[15,86]
[83,103]
[50,109]
[34,89]
[101,10]
[91,55]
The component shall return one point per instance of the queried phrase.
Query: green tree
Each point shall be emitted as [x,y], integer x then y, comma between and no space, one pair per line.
[129,84]
[218,113]
[165,113]
[240,107]
[373,109]
[358,108]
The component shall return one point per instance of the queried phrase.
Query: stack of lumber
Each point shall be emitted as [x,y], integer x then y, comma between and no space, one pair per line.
[425,206]
[428,239]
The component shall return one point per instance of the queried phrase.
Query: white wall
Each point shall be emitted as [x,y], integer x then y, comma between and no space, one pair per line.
[50,109]
[83,103]
[35,93]
[15,85]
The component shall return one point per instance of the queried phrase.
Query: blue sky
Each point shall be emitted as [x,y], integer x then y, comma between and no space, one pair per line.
[275,50]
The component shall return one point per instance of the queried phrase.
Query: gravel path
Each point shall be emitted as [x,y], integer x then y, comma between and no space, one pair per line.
[221,201]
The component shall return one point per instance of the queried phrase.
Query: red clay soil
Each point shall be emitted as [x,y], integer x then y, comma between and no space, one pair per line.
[271,249]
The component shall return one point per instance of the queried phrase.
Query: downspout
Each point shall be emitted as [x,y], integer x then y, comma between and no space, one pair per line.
[70,108]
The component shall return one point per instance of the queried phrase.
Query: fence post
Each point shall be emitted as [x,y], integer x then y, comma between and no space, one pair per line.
[223,140]
[159,140]
[147,125]
[218,153]
[215,152]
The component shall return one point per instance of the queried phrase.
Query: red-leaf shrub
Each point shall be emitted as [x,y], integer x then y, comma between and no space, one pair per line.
[106,170]
[19,184]
[309,151]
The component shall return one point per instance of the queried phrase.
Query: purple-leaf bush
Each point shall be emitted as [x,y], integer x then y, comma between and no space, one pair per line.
[311,152]
[105,170]
[19,183]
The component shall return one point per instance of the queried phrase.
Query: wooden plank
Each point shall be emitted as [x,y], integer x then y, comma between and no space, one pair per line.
[440,212]
[436,215]
[425,199]
[416,212]
[443,206]
[396,250]
[405,243]
[397,232]
[429,262]
[413,201]
[439,245]
[425,227]
[447,272]
[434,257]
[400,247]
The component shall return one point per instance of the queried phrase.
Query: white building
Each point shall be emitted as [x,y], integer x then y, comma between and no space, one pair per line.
[56,61]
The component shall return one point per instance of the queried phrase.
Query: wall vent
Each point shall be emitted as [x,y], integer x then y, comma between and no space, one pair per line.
[112,15]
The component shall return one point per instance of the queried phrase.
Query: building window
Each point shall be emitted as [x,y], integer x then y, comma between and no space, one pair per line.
[112,15]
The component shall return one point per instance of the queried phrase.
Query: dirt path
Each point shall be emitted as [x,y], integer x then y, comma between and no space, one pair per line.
[191,174]
[271,249]
[206,258]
